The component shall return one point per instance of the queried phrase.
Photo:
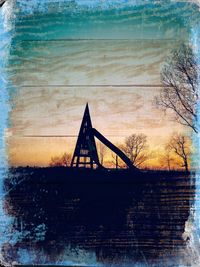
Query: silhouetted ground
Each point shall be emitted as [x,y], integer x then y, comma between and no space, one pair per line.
[113,213]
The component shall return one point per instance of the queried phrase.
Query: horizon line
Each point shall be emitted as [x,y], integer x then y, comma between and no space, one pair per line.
[67,135]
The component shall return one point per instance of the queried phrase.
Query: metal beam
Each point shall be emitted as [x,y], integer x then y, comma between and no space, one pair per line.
[2,2]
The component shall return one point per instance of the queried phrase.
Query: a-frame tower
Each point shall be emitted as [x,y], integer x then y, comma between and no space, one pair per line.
[85,153]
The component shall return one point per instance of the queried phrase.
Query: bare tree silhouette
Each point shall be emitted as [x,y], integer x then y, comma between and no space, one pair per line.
[102,150]
[167,159]
[135,147]
[179,77]
[115,160]
[180,145]
[62,160]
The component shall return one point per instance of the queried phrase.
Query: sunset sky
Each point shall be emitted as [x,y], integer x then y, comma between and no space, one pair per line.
[54,56]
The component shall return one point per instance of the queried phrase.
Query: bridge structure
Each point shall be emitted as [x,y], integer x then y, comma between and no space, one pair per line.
[85,153]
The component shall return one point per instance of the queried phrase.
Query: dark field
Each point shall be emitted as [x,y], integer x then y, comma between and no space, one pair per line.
[121,216]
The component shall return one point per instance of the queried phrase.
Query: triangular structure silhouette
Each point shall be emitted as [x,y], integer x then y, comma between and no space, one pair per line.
[85,153]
